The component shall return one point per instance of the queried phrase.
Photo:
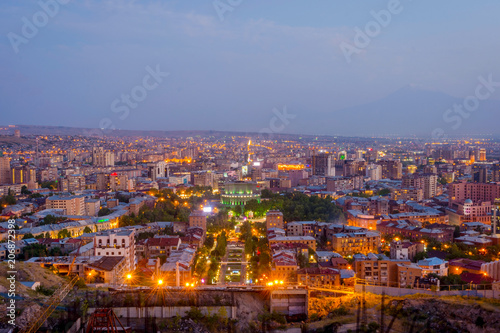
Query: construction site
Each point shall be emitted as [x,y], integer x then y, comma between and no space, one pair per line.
[71,306]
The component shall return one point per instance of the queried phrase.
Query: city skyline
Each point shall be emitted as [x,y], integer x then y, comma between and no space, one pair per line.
[249,166]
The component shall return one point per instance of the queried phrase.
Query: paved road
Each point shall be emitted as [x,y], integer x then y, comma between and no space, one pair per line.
[223,269]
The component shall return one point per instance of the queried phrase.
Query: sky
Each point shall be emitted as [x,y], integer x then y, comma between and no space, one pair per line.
[234,65]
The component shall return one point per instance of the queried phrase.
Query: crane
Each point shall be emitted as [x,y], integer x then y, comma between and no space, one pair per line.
[50,305]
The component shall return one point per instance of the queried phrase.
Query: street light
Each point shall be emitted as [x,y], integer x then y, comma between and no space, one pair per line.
[160,282]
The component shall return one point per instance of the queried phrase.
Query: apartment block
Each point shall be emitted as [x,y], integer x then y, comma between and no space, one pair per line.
[379,270]
[198,219]
[405,250]
[117,244]
[274,219]
[357,242]
[72,205]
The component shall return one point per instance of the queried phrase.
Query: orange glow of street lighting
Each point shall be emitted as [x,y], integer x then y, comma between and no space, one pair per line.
[160,282]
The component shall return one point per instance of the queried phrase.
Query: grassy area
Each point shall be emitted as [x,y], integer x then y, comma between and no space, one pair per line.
[31,272]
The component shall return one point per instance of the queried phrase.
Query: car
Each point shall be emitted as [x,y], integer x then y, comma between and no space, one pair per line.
[235,273]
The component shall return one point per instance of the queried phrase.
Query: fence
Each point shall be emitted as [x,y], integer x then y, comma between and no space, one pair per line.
[392,291]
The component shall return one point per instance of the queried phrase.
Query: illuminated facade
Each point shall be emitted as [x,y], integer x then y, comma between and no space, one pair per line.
[116,244]
[274,219]
[72,205]
[239,193]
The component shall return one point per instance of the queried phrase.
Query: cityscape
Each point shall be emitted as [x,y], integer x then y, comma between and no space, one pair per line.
[204,199]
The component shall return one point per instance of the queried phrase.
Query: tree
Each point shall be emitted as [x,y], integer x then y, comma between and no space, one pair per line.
[87,230]
[28,236]
[266,318]
[144,235]
[238,210]
[384,192]
[34,250]
[52,219]
[8,200]
[104,211]
[209,241]
[55,252]
[52,185]
[303,261]
[63,234]
[420,256]
[24,190]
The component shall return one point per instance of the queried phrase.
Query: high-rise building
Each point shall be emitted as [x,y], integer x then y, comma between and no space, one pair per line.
[322,165]
[156,170]
[392,169]
[100,157]
[482,155]
[76,182]
[480,174]
[430,169]
[5,173]
[374,171]
[495,173]
[429,185]
[204,178]
[102,183]
[18,175]
[48,174]
[120,182]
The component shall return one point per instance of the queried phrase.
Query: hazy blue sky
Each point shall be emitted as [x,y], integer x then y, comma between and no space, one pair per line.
[229,74]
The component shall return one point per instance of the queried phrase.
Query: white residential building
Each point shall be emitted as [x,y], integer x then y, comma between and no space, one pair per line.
[121,244]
